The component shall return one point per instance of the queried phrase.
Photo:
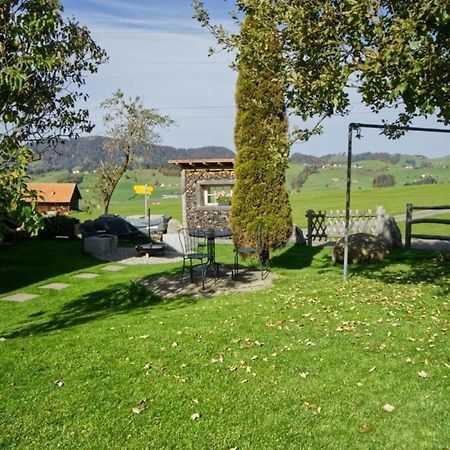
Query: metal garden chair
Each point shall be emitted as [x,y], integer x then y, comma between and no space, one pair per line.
[258,251]
[192,246]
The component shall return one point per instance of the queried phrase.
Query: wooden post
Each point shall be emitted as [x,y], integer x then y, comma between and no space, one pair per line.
[310,215]
[380,221]
[409,210]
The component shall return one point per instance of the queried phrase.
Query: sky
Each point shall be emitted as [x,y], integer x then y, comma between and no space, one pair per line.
[159,52]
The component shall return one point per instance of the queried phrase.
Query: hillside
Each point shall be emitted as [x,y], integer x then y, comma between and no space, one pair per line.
[85,153]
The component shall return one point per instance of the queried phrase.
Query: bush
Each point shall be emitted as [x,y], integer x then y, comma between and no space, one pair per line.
[174,171]
[427,179]
[70,177]
[383,181]
[59,225]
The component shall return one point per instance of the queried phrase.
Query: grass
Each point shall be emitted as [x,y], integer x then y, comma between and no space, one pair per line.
[393,199]
[320,192]
[309,363]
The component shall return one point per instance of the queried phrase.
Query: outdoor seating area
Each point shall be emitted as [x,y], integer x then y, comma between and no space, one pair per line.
[194,248]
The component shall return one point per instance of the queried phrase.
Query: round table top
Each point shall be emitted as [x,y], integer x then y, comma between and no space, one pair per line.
[211,233]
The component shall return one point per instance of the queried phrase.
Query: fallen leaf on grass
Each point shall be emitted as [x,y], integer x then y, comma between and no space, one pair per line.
[195,416]
[59,383]
[372,369]
[312,406]
[365,429]
[217,360]
[141,407]
[422,374]
[388,408]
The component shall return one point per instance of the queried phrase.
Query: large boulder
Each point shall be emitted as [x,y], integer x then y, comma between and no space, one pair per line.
[362,247]
[389,230]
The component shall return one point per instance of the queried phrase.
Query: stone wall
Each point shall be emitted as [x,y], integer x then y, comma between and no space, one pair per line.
[198,215]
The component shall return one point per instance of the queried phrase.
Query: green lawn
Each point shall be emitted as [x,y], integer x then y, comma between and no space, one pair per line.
[309,363]
[393,199]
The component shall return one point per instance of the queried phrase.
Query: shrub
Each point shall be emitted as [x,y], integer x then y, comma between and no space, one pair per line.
[58,225]
[384,180]
[70,177]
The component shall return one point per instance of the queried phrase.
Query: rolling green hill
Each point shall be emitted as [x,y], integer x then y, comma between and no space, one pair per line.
[322,191]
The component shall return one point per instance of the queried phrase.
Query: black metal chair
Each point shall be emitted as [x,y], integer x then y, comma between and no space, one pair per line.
[258,251]
[192,244]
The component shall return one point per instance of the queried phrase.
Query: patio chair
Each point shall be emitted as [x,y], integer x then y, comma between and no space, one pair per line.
[192,245]
[257,251]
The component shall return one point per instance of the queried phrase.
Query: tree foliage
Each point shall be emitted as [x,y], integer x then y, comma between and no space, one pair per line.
[383,180]
[395,53]
[262,143]
[43,62]
[302,176]
[130,127]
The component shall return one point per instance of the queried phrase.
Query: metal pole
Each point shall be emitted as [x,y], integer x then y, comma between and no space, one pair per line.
[145,200]
[148,224]
[347,200]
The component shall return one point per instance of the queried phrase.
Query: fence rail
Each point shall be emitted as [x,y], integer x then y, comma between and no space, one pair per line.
[325,225]
[410,221]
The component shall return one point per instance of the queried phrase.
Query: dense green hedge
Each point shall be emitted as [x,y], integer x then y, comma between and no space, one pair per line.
[262,145]
[58,225]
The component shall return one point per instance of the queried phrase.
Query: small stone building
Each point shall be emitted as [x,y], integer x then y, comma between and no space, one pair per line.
[56,198]
[202,182]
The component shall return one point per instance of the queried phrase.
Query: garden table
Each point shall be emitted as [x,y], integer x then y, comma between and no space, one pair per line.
[211,236]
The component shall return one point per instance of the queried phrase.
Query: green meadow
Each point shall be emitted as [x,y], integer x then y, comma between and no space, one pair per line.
[308,363]
[322,191]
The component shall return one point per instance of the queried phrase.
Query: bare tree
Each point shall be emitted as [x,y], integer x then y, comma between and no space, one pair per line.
[131,129]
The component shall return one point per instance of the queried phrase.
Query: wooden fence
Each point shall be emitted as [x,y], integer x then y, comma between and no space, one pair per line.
[325,225]
[410,221]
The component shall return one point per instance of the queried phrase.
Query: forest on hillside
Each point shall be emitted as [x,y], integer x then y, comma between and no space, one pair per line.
[85,154]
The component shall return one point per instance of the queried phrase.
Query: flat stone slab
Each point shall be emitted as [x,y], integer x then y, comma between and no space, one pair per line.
[86,275]
[20,297]
[113,268]
[55,286]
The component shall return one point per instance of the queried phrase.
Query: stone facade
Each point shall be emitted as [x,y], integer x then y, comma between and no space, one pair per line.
[198,215]
[201,181]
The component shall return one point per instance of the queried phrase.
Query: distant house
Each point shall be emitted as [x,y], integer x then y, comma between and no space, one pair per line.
[56,198]
[202,180]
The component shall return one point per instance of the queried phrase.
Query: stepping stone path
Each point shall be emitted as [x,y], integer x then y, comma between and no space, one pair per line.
[86,275]
[113,268]
[20,297]
[55,286]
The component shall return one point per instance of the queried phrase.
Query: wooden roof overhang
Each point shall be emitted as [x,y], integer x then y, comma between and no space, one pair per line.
[205,164]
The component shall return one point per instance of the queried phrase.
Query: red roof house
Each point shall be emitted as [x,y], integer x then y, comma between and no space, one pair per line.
[56,197]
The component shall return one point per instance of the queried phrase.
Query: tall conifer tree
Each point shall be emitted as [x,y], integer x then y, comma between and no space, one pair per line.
[261,138]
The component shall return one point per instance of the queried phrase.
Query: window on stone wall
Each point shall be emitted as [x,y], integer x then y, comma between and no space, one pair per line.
[209,193]
[212,193]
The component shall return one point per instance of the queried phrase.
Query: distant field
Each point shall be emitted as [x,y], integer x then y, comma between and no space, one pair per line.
[393,199]
[322,191]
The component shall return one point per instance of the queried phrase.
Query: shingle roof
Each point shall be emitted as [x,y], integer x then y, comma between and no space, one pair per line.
[55,192]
